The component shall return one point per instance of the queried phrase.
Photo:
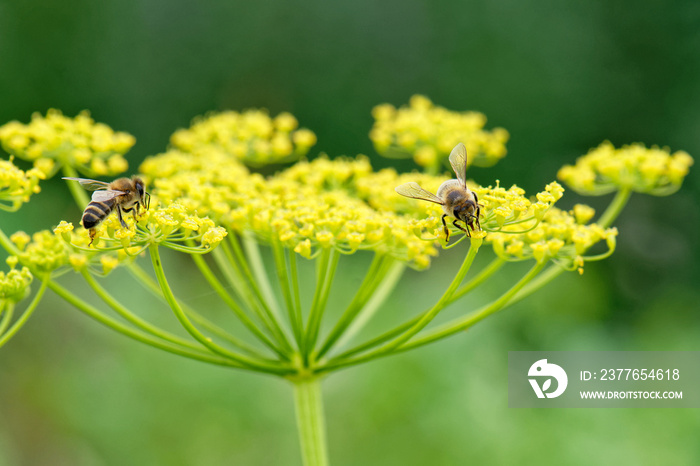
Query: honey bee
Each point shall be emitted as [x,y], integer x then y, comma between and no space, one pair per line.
[122,195]
[456,199]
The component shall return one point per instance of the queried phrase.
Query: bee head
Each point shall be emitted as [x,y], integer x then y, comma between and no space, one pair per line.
[466,211]
[144,197]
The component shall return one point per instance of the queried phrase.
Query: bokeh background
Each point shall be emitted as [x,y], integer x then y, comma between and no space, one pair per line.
[560,76]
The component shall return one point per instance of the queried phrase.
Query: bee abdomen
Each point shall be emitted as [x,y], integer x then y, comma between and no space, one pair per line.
[95,212]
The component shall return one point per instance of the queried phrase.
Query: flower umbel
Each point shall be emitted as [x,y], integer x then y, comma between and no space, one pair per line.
[14,285]
[54,141]
[16,186]
[428,133]
[646,170]
[308,207]
[251,136]
[173,227]
[301,222]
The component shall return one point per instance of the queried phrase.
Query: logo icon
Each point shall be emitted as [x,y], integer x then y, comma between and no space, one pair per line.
[542,368]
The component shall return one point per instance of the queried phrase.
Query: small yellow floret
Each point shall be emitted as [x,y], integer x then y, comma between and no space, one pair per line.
[109,263]
[214,236]
[78,261]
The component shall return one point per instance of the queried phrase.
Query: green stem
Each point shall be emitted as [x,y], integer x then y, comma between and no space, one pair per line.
[294,277]
[150,284]
[552,272]
[131,317]
[380,295]
[447,329]
[192,330]
[4,338]
[481,277]
[79,194]
[237,275]
[385,282]
[8,245]
[6,313]
[311,422]
[11,204]
[233,305]
[262,287]
[237,265]
[376,341]
[615,207]
[286,285]
[424,319]
[493,267]
[137,335]
[326,267]
[464,323]
[373,277]
[606,219]
[261,279]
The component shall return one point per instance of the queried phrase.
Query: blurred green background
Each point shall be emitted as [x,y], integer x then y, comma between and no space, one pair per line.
[560,76]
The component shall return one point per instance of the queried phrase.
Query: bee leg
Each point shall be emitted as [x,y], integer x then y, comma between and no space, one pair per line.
[447,232]
[466,230]
[133,209]
[92,236]
[478,211]
[121,218]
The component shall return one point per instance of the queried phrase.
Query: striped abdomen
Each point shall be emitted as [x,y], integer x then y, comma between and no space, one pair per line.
[96,211]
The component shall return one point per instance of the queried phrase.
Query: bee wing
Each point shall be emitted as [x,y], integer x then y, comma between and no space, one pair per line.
[413,190]
[90,185]
[106,195]
[458,160]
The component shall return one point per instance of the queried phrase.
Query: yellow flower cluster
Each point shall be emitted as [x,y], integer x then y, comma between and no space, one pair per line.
[562,236]
[343,204]
[16,186]
[54,140]
[206,181]
[170,226]
[428,133]
[251,136]
[500,207]
[648,170]
[14,285]
[503,207]
[309,206]
[325,203]
[43,252]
